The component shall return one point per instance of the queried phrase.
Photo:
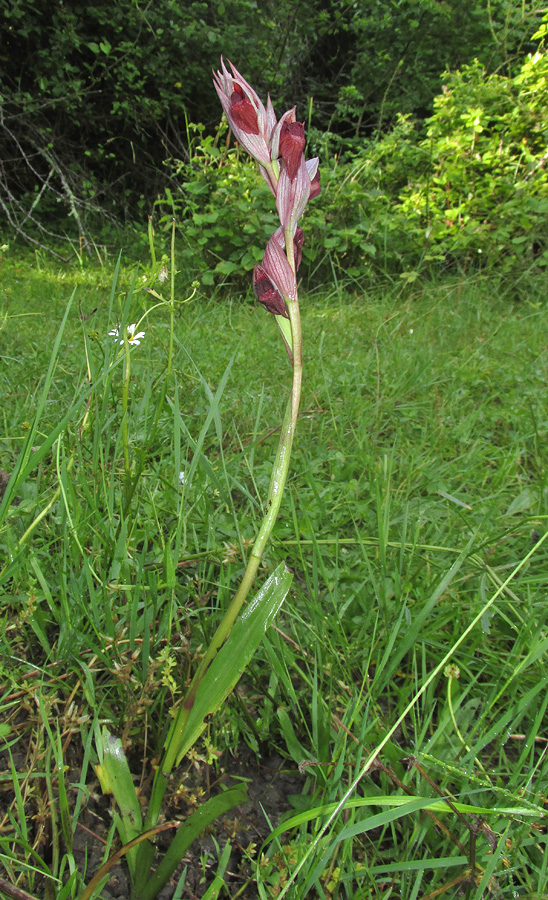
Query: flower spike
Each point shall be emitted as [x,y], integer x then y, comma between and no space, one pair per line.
[278,147]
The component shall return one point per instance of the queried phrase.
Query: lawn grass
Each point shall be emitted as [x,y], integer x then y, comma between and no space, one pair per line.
[409,662]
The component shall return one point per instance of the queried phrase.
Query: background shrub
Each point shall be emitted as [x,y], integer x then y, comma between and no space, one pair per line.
[94,100]
[466,189]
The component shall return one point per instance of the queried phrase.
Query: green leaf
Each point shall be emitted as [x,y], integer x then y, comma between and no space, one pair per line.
[228,666]
[28,453]
[226,267]
[115,778]
[527,499]
[187,833]
[203,218]
[294,747]
[285,327]
[396,807]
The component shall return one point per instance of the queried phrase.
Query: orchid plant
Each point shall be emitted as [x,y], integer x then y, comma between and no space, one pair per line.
[278,148]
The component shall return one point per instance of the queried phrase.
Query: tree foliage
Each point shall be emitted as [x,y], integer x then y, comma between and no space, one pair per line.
[468,188]
[386,57]
[94,99]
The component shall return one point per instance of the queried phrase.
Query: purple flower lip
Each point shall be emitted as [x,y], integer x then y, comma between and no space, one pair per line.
[267,294]
[243,112]
[292,143]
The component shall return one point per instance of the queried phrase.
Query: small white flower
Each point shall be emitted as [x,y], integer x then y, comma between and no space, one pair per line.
[132,338]
[162,274]
[183,479]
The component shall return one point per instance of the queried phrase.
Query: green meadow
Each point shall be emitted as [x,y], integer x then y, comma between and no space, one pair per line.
[397,704]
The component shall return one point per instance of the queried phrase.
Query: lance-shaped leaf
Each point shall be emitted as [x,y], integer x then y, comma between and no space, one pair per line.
[231,660]
[287,334]
[115,778]
[187,832]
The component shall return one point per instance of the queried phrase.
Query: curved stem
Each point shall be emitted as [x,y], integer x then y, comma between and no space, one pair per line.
[125,401]
[273,502]
[171,303]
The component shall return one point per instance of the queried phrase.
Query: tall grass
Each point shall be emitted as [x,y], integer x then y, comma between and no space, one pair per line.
[404,682]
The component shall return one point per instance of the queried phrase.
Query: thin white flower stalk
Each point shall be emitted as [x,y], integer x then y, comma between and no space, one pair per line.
[131,337]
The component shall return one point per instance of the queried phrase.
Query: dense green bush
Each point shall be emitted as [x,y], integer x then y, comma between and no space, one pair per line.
[386,57]
[223,207]
[469,188]
[94,99]
[486,190]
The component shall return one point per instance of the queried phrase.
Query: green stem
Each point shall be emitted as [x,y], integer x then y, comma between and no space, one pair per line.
[457,729]
[273,502]
[171,304]
[125,403]
[151,242]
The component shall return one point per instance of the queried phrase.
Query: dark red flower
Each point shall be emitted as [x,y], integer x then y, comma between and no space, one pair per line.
[250,122]
[267,294]
[291,147]
[244,114]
